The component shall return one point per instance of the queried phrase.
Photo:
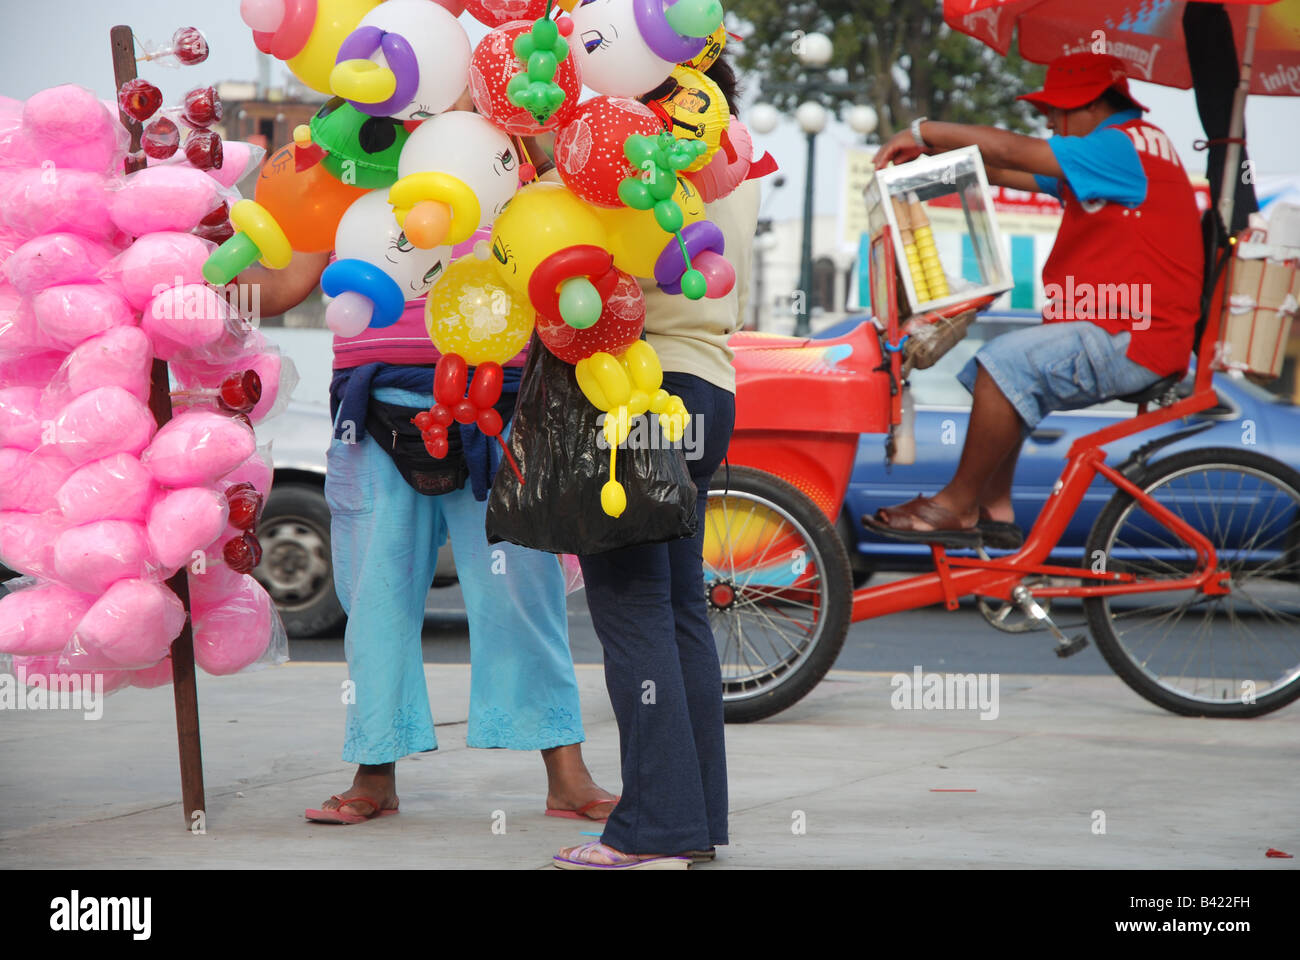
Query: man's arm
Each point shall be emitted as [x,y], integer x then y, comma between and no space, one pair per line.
[1014,179]
[282,290]
[1001,149]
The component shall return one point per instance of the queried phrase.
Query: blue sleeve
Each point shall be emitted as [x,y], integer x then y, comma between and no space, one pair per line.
[1104,165]
[1048,185]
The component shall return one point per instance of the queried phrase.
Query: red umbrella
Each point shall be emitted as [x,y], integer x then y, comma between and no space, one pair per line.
[1148,36]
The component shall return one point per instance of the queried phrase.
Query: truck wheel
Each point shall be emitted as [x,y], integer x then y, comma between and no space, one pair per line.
[296,568]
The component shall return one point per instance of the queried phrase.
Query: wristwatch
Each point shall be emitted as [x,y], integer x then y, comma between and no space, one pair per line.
[916,133]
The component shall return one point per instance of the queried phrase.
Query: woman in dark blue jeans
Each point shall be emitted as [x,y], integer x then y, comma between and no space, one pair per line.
[648,604]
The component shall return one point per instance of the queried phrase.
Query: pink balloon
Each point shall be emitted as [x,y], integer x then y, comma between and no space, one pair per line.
[348,314]
[721,176]
[71,127]
[22,417]
[232,634]
[185,521]
[94,555]
[75,312]
[120,357]
[40,619]
[45,200]
[158,262]
[133,624]
[101,422]
[185,318]
[117,487]
[263,16]
[197,448]
[30,481]
[719,274]
[55,258]
[27,542]
[168,197]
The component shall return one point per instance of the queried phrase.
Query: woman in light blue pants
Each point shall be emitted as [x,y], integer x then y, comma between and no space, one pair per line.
[523,692]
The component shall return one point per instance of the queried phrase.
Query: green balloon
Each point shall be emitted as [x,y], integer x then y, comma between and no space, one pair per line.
[662,185]
[545,33]
[524,47]
[580,304]
[694,18]
[668,215]
[639,150]
[230,259]
[541,65]
[694,286]
[635,194]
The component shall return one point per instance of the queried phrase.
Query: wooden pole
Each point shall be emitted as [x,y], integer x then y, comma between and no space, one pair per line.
[184,687]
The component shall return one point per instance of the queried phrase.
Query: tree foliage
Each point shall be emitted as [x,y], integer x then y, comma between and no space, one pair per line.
[898,55]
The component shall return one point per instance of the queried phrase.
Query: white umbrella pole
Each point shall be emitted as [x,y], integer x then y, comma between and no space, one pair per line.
[1232,157]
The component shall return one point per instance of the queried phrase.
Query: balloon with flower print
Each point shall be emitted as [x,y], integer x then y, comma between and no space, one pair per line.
[496,13]
[589,148]
[473,313]
[492,67]
[621,322]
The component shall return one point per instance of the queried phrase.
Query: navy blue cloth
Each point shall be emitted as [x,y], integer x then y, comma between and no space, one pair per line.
[350,391]
[648,607]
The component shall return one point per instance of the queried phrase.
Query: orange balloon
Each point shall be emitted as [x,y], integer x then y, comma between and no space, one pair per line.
[427,224]
[307,204]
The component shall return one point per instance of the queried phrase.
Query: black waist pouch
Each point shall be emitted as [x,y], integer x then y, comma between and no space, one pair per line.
[389,424]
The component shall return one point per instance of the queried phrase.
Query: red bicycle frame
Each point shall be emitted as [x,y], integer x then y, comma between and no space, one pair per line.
[955,577]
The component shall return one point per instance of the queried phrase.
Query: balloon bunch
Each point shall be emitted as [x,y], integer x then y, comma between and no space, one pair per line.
[100,275]
[542,50]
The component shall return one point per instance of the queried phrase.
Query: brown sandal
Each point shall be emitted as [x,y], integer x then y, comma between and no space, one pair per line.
[945,529]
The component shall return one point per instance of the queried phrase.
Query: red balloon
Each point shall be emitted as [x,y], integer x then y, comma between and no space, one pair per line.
[489,421]
[589,148]
[449,379]
[437,447]
[441,414]
[465,411]
[494,13]
[493,65]
[485,389]
[617,329]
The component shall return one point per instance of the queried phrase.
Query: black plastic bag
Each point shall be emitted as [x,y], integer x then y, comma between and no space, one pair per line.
[553,439]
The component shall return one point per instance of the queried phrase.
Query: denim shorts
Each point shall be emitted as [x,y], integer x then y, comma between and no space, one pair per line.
[1058,366]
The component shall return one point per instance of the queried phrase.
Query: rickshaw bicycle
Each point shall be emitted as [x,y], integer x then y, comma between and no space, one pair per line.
[1190,581]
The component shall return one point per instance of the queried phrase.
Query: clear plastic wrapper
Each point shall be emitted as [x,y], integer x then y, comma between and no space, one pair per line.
[30,480]
[165,197]
[233,631]
[54,670]
[91,556]
[72,313]
[132,625]
[22,417]
[27,541]
[35,370]
[55,258]
[156,262]
[70,127]
[38,617]
[197,448]
[184,521]
[120,357]
[118,487]
[20,334]
[33,202]
[186,320]
[102,422]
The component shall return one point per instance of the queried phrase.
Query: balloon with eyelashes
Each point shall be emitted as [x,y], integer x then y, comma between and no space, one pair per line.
[398,271]
[629,47]
[407,59]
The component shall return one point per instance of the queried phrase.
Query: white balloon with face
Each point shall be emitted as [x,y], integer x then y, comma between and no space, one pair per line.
[615,60]
[441,48]
[368,232]
[471,149]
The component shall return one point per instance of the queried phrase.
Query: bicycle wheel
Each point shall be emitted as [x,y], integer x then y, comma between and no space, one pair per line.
[1235,655]
[779,589]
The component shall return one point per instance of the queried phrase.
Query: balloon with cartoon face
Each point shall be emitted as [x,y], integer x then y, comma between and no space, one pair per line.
[629,47]
[543,219]
[377,269]
[456,173]
[407,59]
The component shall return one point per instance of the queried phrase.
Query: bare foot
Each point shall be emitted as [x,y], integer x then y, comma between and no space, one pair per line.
[569,785]
[377,783]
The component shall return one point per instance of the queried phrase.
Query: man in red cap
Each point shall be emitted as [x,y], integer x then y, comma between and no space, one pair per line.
[1123,284]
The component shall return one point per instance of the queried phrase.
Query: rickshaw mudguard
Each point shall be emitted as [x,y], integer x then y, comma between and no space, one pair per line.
[801,405]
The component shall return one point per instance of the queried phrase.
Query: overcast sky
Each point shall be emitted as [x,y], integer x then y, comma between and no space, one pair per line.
[47,42]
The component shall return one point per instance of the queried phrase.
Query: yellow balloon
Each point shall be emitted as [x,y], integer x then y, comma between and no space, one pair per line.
[643,367]
[613,498]
[603,381]
[472,313]
[335,19]
[635,238]
[617,425]
[699,112]
[540,220]
[712,49]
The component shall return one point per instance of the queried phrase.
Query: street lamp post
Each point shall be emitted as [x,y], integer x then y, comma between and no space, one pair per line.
[815,52]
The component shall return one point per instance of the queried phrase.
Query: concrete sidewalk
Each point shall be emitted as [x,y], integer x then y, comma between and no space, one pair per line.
[860,776]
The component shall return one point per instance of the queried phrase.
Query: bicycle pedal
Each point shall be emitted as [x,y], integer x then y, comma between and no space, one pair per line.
[1071,647]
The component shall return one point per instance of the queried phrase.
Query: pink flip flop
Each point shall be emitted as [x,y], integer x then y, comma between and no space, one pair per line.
[342,816]
[581,812]
[586,857]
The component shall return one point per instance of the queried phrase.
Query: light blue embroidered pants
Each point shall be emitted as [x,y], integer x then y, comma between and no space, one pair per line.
[523,692]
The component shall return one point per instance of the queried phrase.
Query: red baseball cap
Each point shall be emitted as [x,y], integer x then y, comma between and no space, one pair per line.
[1080,78]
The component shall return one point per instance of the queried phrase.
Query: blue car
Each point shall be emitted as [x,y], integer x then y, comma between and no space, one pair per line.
[1247,416]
